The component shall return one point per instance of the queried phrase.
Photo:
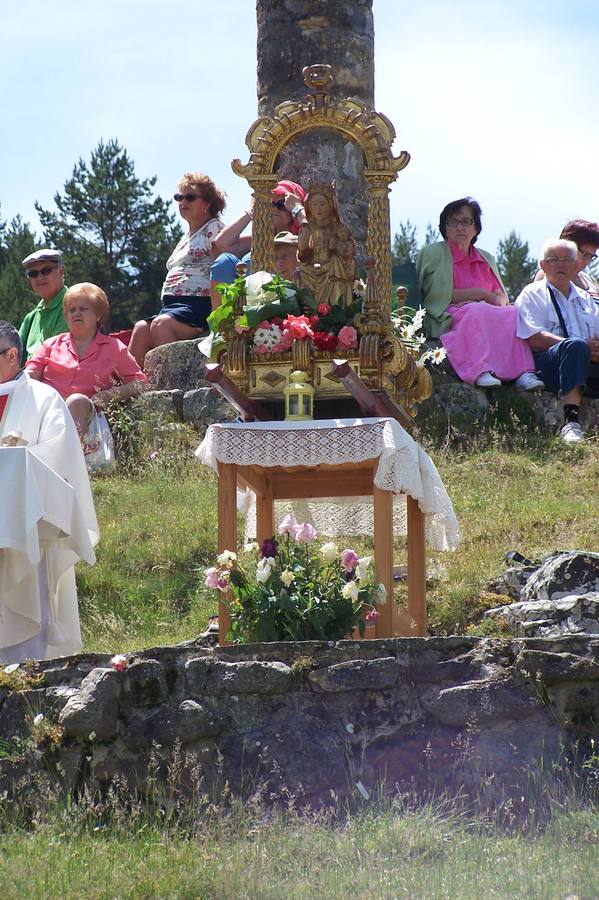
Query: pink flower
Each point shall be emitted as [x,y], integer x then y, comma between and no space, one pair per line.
[289,525]
[298,327]
[323,309]
[371,616]
[211,580]
[349,558]
[284,343]
[347,338]
[262,348]
[216,580]
[305,533]
[119,662]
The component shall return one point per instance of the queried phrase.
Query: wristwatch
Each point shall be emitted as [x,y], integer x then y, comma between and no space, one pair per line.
[297,209]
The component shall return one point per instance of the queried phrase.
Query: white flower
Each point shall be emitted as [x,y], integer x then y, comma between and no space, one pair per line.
[438,355]
[251,547]
[267,337]
[38,719]
[264,569]
[287,577]
[12,668]
[92,736]
[362,567]
[253,288]
[350,590]
[226,558]
[329,552]
[418,319]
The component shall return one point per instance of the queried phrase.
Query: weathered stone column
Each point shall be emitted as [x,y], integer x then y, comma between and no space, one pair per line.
[297,33]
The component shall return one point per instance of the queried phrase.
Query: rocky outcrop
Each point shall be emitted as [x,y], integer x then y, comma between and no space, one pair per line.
[560,595]
[420,714]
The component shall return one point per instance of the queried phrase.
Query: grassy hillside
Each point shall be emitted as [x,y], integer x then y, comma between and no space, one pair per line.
[510,489]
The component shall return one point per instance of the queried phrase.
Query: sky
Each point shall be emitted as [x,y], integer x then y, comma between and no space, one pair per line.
[497,100]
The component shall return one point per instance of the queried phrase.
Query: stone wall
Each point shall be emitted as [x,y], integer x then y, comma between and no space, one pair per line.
[310,718]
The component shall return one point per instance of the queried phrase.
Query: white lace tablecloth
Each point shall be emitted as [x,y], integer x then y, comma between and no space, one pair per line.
[403,468]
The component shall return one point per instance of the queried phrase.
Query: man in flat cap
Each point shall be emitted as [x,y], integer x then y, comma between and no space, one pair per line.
[45,272]
[286,254]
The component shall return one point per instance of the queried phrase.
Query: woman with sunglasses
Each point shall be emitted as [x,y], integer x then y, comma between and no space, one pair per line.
[467,307]
[186,289]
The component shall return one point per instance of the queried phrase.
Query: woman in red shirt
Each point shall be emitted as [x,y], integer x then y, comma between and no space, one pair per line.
[90,370]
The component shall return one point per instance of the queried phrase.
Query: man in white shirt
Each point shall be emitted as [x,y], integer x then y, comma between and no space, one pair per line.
[561,324]
[39,616]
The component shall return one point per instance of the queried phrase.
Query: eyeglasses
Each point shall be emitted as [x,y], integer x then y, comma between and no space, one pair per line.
[587,256]
[559,259]
[278,204]
[454,223]
[188,197]
[35,273]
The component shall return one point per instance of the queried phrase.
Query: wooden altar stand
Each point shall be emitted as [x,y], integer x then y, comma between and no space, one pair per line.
[341,480]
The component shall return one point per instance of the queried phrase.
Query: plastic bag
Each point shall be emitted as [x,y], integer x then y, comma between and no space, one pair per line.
[98,448]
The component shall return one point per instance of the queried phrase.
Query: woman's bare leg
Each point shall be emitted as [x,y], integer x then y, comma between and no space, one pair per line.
[82,410]
[140,342]
[165,330]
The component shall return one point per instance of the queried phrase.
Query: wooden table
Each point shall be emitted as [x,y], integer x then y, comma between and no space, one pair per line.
[353,479]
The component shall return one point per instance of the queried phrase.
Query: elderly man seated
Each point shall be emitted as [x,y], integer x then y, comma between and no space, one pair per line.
[560,321]
[48,521]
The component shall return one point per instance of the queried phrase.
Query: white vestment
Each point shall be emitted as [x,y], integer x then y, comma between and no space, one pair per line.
[38,414]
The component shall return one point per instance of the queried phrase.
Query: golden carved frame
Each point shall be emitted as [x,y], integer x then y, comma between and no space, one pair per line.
[382,361]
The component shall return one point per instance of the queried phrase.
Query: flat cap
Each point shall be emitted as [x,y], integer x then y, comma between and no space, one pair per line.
[285,237]
[46,255]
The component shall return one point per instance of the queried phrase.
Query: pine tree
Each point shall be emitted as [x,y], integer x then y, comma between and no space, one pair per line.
[516,267]
[16,297]
[405,245]
[113,231]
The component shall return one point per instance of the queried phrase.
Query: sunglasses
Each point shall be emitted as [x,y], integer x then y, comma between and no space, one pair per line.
[35,273]
[188,197]
[278,204]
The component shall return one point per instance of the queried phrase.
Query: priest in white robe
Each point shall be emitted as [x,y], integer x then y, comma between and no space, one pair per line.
[46,526]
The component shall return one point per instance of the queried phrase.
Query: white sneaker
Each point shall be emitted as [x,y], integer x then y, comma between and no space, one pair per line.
[528,381]
[571,433]
[486,380]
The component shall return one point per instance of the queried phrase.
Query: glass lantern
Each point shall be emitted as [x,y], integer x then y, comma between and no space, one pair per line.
[299,398]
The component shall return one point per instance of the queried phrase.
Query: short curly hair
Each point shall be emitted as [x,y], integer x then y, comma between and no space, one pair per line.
[94,294]
[206,188]
[581,232]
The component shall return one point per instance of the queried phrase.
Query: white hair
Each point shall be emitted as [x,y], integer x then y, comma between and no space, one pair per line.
[558,244]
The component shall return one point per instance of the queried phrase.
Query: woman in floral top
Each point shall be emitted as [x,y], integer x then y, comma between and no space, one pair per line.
[186,289]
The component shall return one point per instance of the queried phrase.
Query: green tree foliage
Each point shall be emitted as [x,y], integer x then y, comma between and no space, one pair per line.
[113,231]
[405,244]
[516,267]
[16,297]
[405,248]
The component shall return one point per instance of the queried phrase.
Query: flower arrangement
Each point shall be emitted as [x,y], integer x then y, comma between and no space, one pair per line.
[408,327]
[276,313]
[298,591]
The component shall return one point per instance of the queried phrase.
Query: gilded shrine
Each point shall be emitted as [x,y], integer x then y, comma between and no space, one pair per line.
[326,258]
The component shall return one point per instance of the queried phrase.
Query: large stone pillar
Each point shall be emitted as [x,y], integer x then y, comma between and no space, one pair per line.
[297,33]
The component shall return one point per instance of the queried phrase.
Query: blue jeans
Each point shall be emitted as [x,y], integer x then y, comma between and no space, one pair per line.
[567,365]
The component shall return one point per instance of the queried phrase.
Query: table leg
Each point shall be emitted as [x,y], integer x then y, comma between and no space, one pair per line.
[383,556]
[416,566]
[227,532]
[265,512]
